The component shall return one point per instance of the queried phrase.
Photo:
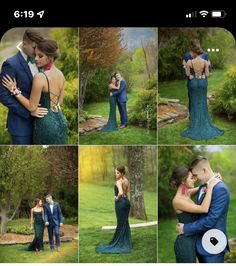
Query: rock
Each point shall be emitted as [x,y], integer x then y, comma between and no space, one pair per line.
[67,233]
[66,239]
[173,100]
[96,123]
[171,113]
[232,242]
[230,117]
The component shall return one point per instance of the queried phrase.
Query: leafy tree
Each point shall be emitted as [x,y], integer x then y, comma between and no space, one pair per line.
[62,178]
[224,41]
[99,48]
[173,43]
[20,178]
[67,39]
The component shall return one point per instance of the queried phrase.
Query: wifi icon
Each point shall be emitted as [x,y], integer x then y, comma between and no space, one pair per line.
[203,13]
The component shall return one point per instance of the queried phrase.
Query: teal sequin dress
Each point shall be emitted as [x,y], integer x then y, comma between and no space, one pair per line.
[52,128]
[185,249]
[121,241]
[200,127]
[111,123]
[38,232]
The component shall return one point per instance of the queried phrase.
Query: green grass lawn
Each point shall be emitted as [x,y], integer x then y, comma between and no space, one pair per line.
[167,236]
[18,253]
[97,210]
[178,90]
[126,136]
[171,134]
[130,135]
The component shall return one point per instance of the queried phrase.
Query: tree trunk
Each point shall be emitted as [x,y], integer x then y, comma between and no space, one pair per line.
[82,88]
[4,222]
[146,62]
[136,167]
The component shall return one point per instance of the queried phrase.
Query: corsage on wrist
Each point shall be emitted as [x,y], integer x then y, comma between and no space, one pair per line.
[15,91]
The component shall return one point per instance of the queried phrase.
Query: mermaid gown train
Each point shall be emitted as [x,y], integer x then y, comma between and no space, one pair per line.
[121,241]
[200,127]
[111,123]
[37,242]
[184,247]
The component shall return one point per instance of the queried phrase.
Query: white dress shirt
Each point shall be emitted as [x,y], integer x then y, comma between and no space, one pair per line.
[203,189]
[51,207]
[33,68]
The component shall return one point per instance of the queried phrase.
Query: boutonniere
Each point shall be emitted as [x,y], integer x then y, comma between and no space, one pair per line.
[205,188]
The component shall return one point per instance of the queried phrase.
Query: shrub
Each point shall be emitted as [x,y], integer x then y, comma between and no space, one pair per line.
[70,109]
[144,112]
[225,102]
[21,229]
[222,39]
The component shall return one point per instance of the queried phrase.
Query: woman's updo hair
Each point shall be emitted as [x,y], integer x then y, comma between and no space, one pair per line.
[179,175]
[121,169]
[49,48]
[197,50]
[36,201]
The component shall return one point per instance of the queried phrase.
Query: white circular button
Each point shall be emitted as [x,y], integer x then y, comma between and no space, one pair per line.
[214,241]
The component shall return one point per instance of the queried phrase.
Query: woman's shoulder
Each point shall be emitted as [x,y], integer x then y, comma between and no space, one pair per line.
[39,77]
[59,73]
[118,182]
[176,200]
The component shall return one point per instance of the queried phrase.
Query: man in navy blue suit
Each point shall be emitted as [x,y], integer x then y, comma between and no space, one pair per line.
[216,217]
[23,68]
[121,99]
[53,219]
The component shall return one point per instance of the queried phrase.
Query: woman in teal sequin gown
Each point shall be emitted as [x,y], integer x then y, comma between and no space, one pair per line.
[121,241]
[200,124]
[186,210]
[47,91]
[111,123]
[37,223]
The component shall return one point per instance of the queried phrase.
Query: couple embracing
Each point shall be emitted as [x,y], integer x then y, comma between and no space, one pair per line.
[32,88]
[202,226]
[49,215]
[118,96]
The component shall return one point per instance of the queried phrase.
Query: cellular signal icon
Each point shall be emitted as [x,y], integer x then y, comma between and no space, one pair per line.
[192,15]
[203,13]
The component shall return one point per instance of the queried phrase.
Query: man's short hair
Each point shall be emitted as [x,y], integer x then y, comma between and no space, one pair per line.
[196,161]
[33,36]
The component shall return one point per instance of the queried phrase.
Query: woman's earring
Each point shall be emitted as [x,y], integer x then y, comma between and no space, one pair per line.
[184,189]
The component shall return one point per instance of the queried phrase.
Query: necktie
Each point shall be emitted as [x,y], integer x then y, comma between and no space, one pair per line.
[30,59]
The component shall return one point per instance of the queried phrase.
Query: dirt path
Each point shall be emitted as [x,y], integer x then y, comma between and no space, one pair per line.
[55,256]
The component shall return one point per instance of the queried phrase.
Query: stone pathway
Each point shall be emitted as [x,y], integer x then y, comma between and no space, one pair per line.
[67,233]
[232,242]
[147,224]
[171,113]
[96,123]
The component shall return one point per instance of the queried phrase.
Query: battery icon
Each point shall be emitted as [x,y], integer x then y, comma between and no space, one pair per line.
[218,14]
